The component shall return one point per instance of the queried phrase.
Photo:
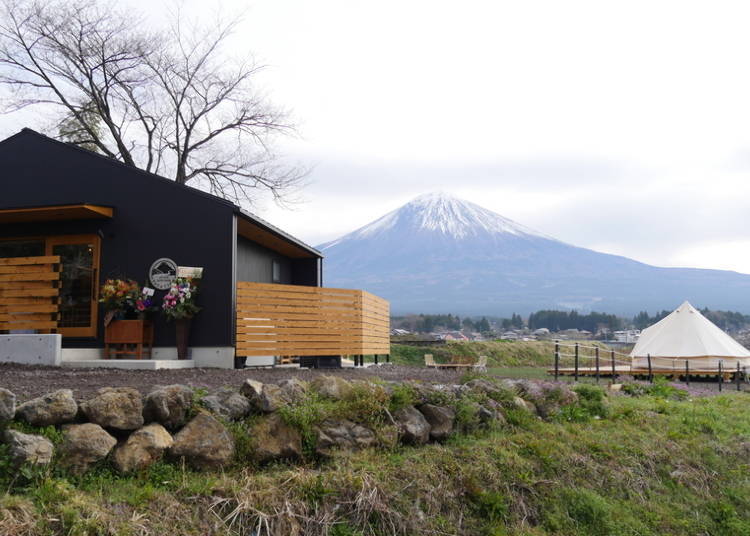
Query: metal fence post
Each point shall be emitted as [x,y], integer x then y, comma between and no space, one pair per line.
[614,372]
[721,374]
[687,372]
[650,370]
[576,367]
[376,359]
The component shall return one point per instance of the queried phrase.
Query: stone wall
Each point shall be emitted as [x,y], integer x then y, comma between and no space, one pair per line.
[258,423]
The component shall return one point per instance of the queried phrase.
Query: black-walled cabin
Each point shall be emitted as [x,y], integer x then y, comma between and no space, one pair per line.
[106,219]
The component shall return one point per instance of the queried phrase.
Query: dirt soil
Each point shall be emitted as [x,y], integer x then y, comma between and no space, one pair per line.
[33,381]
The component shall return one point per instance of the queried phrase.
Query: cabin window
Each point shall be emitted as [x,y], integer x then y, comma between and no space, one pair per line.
[275,271]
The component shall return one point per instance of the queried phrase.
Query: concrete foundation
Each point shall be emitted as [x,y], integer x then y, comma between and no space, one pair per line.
[31,349]
[131,364]
[162,357]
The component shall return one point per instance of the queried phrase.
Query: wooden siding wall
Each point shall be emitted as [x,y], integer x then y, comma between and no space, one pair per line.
[29,293]
[293,320]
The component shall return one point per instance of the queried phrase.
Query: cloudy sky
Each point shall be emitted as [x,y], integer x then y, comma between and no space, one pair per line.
[618,126]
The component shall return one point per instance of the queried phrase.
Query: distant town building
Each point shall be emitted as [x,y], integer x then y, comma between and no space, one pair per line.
[628,335]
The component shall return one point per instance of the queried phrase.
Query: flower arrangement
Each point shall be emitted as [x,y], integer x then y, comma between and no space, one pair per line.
[119,295]
[179,301]
[123,298]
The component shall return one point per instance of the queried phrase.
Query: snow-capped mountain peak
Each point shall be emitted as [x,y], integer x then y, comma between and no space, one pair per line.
[438,253]
[441,213]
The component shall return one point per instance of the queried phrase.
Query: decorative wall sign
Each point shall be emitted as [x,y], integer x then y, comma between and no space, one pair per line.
[162,273]
[189,271]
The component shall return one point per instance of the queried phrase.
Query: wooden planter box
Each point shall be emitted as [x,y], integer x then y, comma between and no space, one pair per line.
[128,338]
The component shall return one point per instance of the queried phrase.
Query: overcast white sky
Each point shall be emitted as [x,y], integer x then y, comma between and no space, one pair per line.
[618,126]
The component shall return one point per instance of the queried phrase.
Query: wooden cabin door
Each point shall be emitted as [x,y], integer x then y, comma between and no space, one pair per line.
[79,266]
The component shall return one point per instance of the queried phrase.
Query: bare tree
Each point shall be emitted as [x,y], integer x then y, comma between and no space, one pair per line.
[169,102]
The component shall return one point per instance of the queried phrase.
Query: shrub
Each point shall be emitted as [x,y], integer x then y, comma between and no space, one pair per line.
[661,388]
[590,404]
[402,395]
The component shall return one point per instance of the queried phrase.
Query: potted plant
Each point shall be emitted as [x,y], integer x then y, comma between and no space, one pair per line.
[118,298]
[179,305]
[126,326]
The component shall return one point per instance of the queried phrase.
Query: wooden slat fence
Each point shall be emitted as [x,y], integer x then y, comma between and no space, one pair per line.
[29,293]
[292,320]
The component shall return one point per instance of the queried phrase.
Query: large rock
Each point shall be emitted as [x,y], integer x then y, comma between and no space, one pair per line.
[520,403]
[120,408]
[441,420]
[293,390]
[276,440]
[228,404]
[413,427]
[83,445]
[342,434]
[204,442]
[53,408]
[332,387]
[7,406]
[268,397]
[142,448]
[547,397]
[27,448]
[168,405]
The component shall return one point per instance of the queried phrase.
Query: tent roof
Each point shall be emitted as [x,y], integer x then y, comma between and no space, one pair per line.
[687,333]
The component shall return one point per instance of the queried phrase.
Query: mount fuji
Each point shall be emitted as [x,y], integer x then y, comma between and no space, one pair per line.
[441,254]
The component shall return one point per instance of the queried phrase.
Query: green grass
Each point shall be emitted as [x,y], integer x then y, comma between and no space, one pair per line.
[499,353]
[618,465]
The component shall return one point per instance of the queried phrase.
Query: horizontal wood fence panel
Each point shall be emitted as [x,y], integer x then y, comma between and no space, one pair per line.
[30,261]
[293,320]
[29,293]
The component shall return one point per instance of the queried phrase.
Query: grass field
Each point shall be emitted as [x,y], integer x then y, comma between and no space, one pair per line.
[503,354]
[653,465]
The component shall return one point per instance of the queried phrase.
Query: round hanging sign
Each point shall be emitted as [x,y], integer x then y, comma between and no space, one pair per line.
[162,273]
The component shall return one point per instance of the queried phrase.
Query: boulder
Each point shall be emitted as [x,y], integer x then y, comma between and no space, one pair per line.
[228,404]
[441,420]
[204,443]
[276,440]
[332,387]
[27,448]
[342,434]
[264,398]
[251,388]
[269,397]
[120,408]
[615,387]
[7,406]
[412,425]
[168,405]
[84,444]
[53,408]
[142,448]
[489,413]
[293,390]
[548,397]
[520,403]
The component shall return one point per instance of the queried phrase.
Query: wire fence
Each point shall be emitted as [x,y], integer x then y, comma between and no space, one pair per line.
[597,361]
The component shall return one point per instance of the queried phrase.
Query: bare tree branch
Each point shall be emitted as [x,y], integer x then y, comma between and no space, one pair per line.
[170,102]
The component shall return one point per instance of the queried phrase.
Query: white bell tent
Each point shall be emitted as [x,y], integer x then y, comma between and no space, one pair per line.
[687,335]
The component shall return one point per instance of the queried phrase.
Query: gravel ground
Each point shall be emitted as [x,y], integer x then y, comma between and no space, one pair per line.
[33,381]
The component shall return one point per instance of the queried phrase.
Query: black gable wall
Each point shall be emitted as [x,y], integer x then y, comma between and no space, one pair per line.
[153,218]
